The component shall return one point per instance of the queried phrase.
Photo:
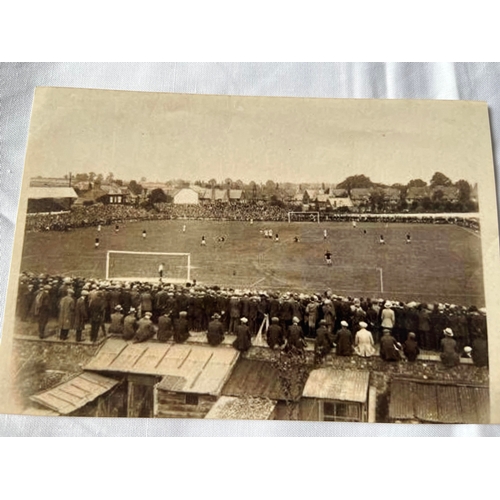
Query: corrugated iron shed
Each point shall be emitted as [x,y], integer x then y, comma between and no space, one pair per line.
[186,368]
[232,408]
[337,385]
[75,393]
[254,378]
[439,402]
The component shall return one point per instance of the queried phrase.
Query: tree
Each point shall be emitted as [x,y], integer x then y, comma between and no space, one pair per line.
[439,179]
[143,179]
[354,182]
[464,191]
[418,183]
[212,183]
[134,187]
[157,196]
[377,199]
[110,177]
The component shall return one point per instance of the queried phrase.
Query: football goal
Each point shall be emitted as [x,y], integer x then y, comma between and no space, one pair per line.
[147,266]
[303,217]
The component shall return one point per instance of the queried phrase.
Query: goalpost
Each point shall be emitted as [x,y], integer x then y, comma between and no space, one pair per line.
[145,266]
[303,217]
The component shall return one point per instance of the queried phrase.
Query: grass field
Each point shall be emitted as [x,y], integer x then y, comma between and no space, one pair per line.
[443,262]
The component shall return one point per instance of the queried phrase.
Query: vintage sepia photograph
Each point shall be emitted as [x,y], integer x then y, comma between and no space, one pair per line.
[257,258]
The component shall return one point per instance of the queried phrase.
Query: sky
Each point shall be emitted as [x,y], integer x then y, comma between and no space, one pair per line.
[164,136]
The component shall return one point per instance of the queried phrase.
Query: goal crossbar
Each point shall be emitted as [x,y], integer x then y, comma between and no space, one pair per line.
[164,254]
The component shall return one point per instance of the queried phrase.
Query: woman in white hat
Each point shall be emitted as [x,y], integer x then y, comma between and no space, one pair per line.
[387,317]
[449,354]
[363,342]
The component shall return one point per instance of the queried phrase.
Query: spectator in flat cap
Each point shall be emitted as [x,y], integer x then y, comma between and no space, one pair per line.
[215,333]
[275,334]
[165,327]
[145,329]
[181,328]
[130,324]
[116,325]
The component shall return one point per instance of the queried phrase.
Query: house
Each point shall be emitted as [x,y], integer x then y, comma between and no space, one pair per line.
[360,196]
[186,196]
[338,396]
[309,196]
[417,194]
[113,194]
[445,402]
[392,196]
[449,193]
[334,203]
[338,193]
[50,199]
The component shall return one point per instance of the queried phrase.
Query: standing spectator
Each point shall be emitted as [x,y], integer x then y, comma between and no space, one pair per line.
[449,354]
[387,317]
[480,351]
[66,314]
[312,316]
[42,309]
[96,315]
[81,314]
[234,313]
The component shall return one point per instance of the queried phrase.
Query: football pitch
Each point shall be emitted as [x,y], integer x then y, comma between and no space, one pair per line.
[441,264]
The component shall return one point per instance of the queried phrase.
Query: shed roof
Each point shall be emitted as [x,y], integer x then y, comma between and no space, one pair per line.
[39,193]
[254,378]
[439,402]
[185,367]
[69,396]
[244,408]
[338,385]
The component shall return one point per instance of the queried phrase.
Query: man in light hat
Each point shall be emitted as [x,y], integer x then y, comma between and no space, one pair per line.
[81,314]
[42,309]
[130,324]
[343,339]
[363,342]
[117,319]
[145,329]
[449,355]
[295,339]
[66,314]
[243,340]
[215,333]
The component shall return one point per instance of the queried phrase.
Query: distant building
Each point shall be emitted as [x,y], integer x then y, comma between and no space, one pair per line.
[50,199]
[186,196]
[339,202]
[360,196]
[418,194]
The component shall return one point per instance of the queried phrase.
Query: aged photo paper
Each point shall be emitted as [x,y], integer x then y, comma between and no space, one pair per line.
[229,257]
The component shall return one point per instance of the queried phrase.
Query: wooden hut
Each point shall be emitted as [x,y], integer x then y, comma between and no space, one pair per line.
[438,402]
[166,380]
[338,396]
[86,395]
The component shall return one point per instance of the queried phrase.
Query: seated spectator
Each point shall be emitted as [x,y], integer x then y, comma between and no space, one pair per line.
[145,329]
[275,334]
[389,350]
[243,340]
[165,327]
[363,342]
[215,334]
[181,328]
[410,347]
[449,354]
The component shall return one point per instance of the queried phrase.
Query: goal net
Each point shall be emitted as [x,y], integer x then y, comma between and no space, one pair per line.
[145,266]
[303,217]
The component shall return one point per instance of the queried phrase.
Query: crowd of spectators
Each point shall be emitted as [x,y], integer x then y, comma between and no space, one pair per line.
[139,311]
[99,214]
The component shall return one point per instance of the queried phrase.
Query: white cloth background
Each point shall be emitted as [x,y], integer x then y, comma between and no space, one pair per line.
[466,81]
